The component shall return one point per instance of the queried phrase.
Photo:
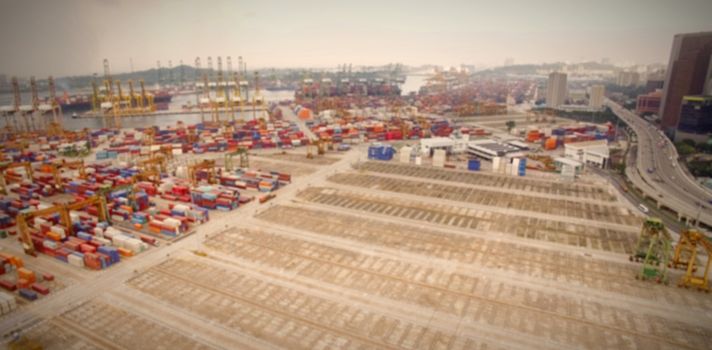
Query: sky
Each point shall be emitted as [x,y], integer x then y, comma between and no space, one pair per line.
[72,37]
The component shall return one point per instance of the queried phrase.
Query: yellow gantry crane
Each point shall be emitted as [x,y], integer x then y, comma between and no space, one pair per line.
[56,126]
[686,254]
[206,165]
[23,218]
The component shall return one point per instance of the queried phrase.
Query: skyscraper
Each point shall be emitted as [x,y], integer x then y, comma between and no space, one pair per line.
[688,73]
[595,98]
[556,90]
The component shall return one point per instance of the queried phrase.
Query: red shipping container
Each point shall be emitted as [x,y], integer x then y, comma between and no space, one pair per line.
[8,285]
[40,289]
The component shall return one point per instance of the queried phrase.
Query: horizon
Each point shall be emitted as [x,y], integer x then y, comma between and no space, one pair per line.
[287,35]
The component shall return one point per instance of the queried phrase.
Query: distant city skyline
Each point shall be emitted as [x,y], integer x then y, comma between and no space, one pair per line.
[72,37]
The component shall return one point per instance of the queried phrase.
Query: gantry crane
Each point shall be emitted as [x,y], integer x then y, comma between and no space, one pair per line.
[654,250]
[686,253]
[156,162]
[75,165]
[147,104]
[64,209]
[198,101]
[23,229]
[206,165]
[319,145]
[26,165]
[35,106]
[17,103]
[56,174]
[119,106]
[150,174]
[219,94]
[244,159]
[56,126]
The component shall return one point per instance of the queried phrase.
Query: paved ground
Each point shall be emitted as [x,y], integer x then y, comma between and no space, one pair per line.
[374,255]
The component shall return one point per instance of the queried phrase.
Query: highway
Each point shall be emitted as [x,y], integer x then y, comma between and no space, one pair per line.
[657,173]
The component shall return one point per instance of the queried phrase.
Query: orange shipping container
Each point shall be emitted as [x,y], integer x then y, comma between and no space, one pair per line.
[550,143]
[54,236]
[125,252]
[28,275]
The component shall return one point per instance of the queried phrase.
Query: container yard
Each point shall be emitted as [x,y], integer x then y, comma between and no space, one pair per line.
[349,217]
[354,248]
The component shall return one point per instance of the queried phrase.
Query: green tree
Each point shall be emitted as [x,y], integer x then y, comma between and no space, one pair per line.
[510,125]
[684,149]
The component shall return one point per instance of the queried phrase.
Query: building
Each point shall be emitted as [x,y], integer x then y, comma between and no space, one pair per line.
[688,73]
[649,103]
[628,78]
[596,95]
[695,118]
[556,90]
[489,149]
[594,153]
[652,85]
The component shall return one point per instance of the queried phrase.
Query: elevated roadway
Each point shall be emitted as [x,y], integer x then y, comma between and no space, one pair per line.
[656,173]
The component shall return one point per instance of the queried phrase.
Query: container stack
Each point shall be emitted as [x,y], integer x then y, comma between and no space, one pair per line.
[212,197]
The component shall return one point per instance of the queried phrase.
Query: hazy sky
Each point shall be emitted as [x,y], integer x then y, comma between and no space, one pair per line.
[64,37]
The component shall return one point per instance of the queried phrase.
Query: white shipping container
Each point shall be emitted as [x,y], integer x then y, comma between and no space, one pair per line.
[75,260]
[405,152]
[496,161]
[171,222]
[180,208]
[439,157]
[515,166]
[102,241]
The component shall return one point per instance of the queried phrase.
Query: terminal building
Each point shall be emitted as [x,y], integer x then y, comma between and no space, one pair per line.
[594,153]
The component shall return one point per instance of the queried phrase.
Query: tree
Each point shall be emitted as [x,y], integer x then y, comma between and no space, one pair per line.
[684,149]
[510,125]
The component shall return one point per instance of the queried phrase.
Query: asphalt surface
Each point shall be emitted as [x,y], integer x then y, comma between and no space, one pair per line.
[657,172]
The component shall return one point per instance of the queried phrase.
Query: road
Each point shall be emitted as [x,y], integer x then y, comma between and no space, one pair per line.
[657,173]
[289,115]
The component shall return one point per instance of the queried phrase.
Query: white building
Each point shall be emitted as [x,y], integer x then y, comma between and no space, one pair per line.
[595,98]
[556,90]
[594,153]
[449,144]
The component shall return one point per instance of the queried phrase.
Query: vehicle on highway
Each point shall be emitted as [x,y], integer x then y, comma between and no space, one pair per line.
[643,208]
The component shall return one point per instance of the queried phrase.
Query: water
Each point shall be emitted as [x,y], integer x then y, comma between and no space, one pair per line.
[162,120]
[412,84]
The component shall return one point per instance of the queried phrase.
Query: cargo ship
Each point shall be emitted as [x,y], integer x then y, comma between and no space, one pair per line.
[83,103]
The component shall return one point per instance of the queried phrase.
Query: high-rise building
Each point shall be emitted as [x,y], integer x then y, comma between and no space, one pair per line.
[628,78]
[649,103]
[688,73]
[595,98]
[556,90]
[695,118]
